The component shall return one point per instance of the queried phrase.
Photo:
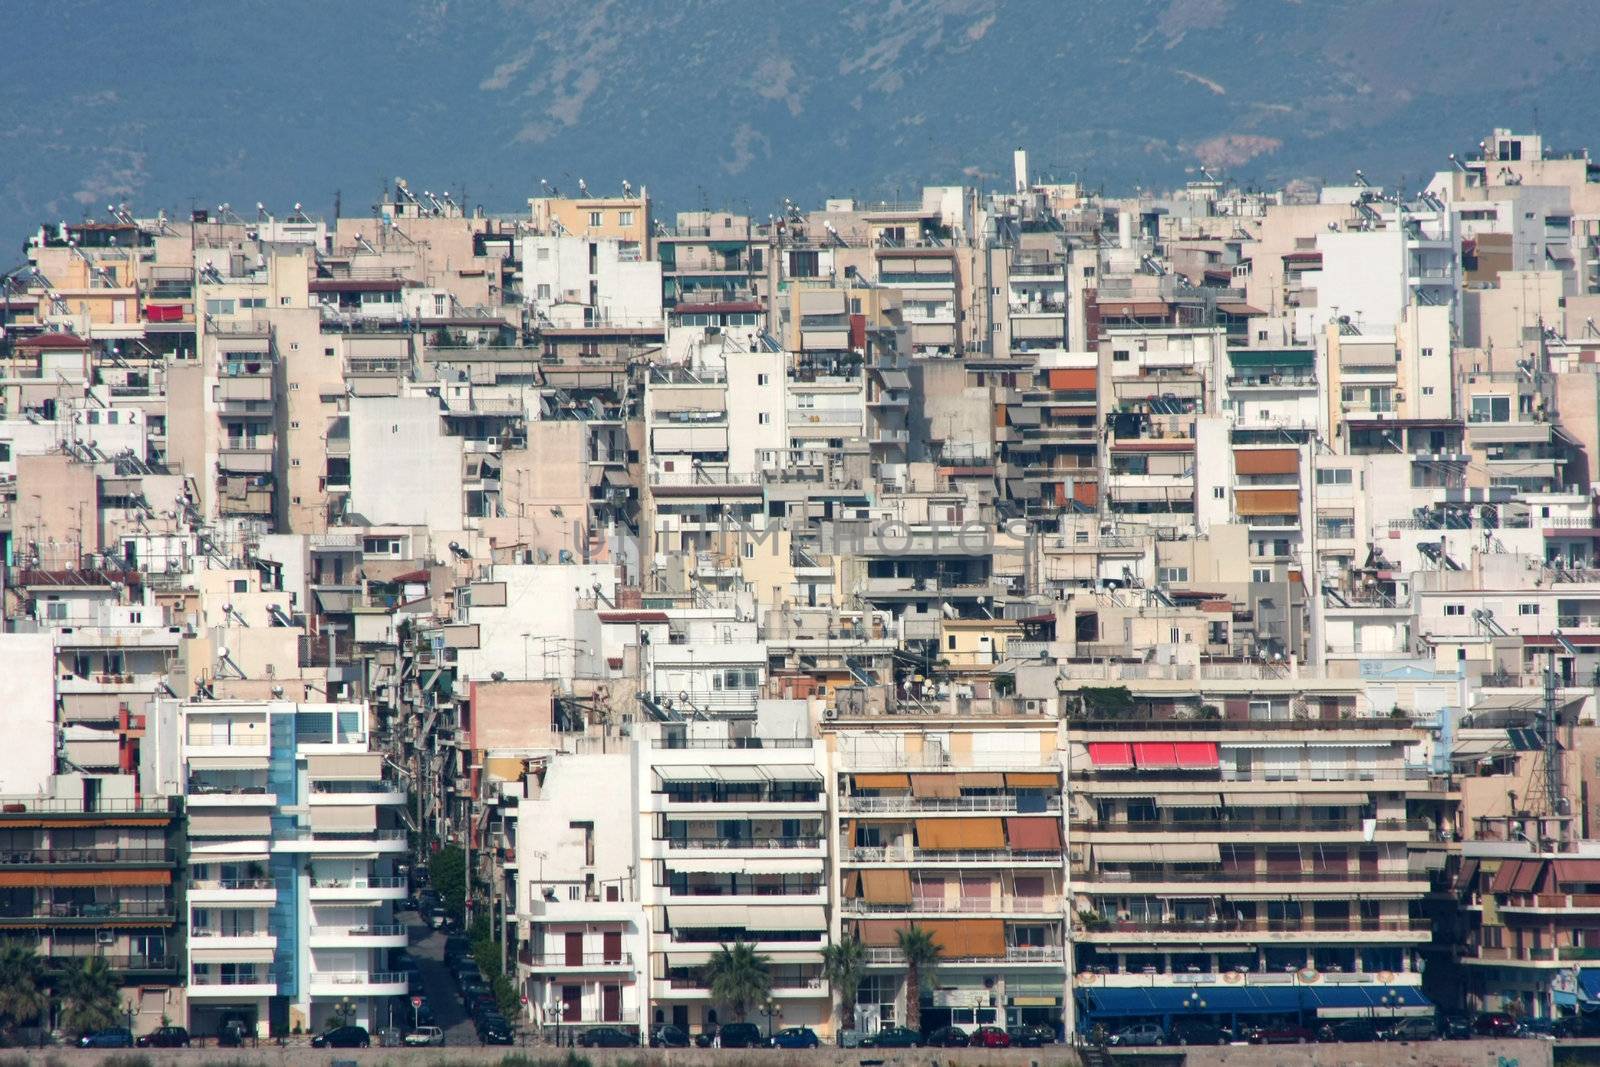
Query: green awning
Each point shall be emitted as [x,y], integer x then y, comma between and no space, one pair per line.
[1273,357]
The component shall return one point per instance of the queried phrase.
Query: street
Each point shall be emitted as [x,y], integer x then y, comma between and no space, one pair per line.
[427,948]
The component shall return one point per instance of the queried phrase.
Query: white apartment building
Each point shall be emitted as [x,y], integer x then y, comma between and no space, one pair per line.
[291,866]
[581,281]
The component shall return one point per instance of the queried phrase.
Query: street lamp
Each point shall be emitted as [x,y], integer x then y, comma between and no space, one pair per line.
[1194,1001]
[1391,999]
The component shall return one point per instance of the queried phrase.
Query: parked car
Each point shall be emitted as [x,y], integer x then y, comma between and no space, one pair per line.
[894,1037]
[852,1038]
[1199,1032]
[1346,1030]
[707,1037]
[1494,1024]
[989,1037]
[1456,1026]
[164,1037]
[495,1030]
[795,1037]
[1138,1035]
[607,1037]
[231,1033]
[1031,1036]
[343,1037]
[669,1036]
[456,948]
[1583,1024]
[1410,1028]
[741,1035]
[947,1037]
[1279,1034]
[424,1035]
[1544,1029]
[115,1037]
[435,916]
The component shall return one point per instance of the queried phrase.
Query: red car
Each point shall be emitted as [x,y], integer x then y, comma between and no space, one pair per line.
[1280,1034]
[989,1037]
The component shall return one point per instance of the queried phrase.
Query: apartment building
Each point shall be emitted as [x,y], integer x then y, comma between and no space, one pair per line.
[292,840]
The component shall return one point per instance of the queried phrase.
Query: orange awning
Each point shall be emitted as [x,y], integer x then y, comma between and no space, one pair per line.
[1032,780]
[883,781]
[935,785]
[886,887]
[1074,381]
[78,879]
[1266,501]
[968,937]
[880,933]
[1266,461]
[1034,834]
[952,835]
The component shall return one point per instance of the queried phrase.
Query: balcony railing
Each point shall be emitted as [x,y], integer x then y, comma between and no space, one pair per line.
[1263,827]
[1246,926]
[911,804]
[137,962]
[948,859]
[1013,954]
[113,909]
[358,883]
[107,857]
[359,978]
[215,978]
[1085,878]
[562,959]
[814,841]
[671,742]
[232,883]
[1007,906]
[382,930]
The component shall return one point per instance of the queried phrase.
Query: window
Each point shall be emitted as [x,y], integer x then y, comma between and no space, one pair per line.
[1427,390]
[542,254]
[1334,476]
[761,379]
[543,291]
[594,218]
[327,351]
[1261,574]
[1168,575]
[219,307]
[1219,492]
[5,451]
[624,218]
[763,418]
[241,585]
[1455,609]
[1527,609]
[1120,355]
[1491,409]
[1426,352]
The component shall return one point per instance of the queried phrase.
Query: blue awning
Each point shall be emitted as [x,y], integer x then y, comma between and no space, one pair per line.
[1378,997]
[1589,983]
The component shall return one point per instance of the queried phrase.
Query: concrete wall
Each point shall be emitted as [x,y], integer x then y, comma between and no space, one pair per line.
[403,469]
[57,499]
[27,692]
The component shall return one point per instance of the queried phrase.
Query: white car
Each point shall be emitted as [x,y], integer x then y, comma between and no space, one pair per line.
[425,1035]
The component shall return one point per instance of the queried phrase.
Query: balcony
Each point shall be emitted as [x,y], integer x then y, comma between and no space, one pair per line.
[233,891]
[745,844]
[588,962]
[359,983]
[1277,930]
[391,935]
[88,857]
[222,941]
[304,840]
[913,805]
[1029,906]
[94,913]
[332,889]
[1038,954]
[953,858]
[1264,828]
[347,793]
[258,982]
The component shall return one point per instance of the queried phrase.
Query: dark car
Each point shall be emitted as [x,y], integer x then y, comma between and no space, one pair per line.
[231,1034]
[343,1037]
[1349,1030]
[607,1037]
[1584,1024]
[669,1036]
[456,948]
[894,1037]
[1198,1032]
[1279,1034]
[707,1037]
[1410,1028]
[481,1004]
[494,1030]
[795,1037]
[164,1037]
[115,1037]
[1494,1024]
[989,1037]
[1030,1036]
[741,1035]
[947,1037]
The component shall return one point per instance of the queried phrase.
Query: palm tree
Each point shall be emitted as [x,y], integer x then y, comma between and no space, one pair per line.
[739,977]
[21,975]
[88,996]
[842,964]
[922,956]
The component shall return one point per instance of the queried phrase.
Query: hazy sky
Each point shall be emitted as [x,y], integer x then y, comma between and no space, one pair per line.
[738,103]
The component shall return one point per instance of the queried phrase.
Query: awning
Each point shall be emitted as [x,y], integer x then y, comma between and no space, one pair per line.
[1032,780]
[792,772]
[675,773]
[1527,877]
[1111,755]
[935,785]
[362,766]
[1073,379]
[1034,834]
[684,960]
[739,775]
[1333,800]
[719,916]
[788,917]
[1262,800]
[987,780]
[200,954]
[1155,755]
[1266,461]
[230,763]
[1506,876]
[207,824]
[952,835]
[1577,872]
[1196,755]
[1188,800]
[1189,852]
[886,887]
[900,782]
[1467,877]
[881,933]
[765,864]
[968,937]
[1125,854]
[894,379]
[354,818]
[1266,501]
[1589,983]
[1105,1002]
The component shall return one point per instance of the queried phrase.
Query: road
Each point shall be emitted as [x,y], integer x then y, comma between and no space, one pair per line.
[427,948]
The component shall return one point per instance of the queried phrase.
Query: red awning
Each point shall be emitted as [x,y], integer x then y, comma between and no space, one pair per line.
[1034,834]
[1111,755]
[1196,755]
[1505,876]
[163,312]
[1527,877]
[1156,755]
[1577,872]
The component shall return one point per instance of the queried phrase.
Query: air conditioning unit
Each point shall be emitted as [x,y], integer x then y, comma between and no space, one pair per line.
[105,937]
[830,712]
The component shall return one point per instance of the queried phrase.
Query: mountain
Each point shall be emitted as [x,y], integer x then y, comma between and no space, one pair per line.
[739,103]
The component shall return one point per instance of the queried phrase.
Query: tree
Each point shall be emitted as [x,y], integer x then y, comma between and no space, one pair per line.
[922,956]
[739,977]
[447,870]
[88,996]
[22,1000]
[843,963]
